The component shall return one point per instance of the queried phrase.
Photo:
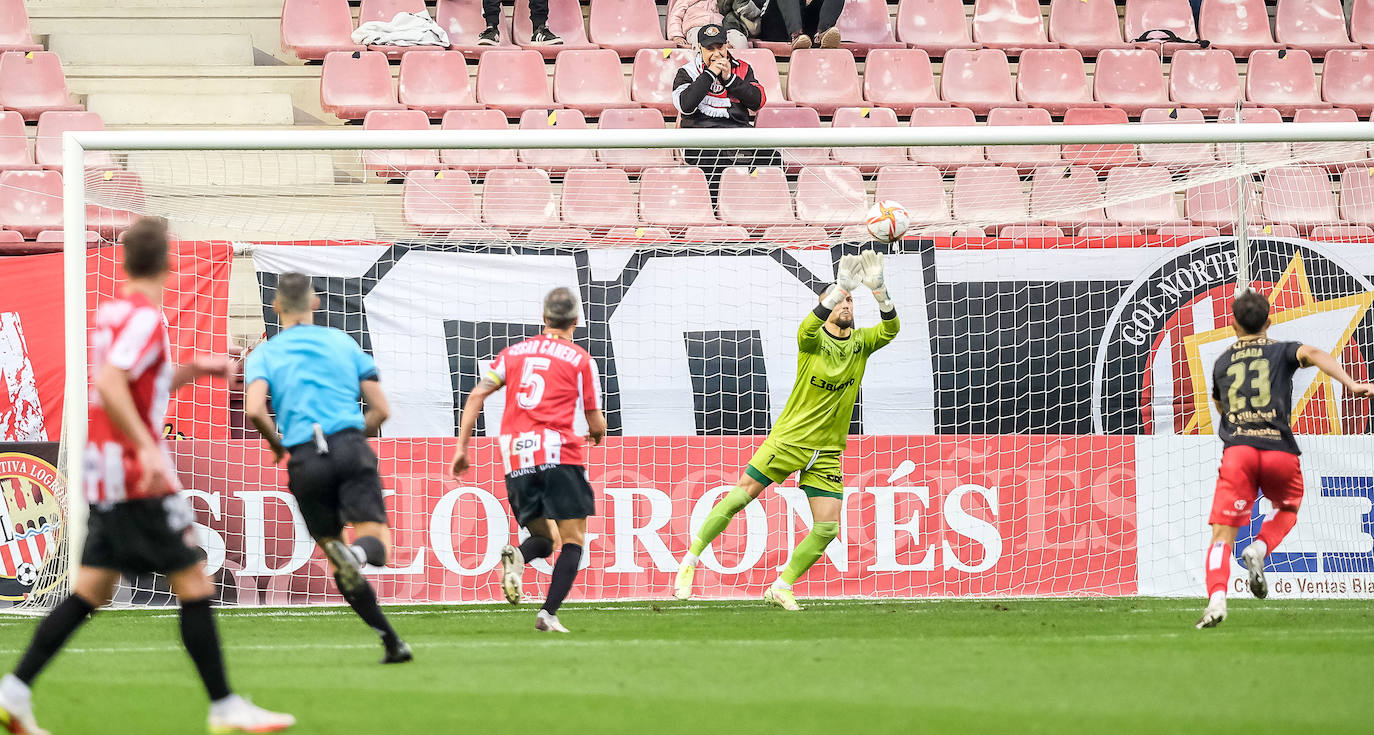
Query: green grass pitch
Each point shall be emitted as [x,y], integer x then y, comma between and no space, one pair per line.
[1102,666]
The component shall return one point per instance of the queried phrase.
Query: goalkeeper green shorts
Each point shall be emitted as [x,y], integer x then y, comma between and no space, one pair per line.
[820,470]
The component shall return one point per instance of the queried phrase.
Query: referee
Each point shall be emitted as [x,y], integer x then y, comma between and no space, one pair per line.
[315,376]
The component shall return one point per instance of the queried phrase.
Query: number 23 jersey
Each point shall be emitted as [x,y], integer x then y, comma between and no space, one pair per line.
[548,378]
[1253,383]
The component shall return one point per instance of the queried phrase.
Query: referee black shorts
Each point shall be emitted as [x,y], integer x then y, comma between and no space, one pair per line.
[141,536]
[338,487]
[558,492]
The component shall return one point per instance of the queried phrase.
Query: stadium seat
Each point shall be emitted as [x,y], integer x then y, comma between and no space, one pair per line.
[47,149]
[675,197]
[794,159]
[934,26]
[313,28]
[1348,80]
[112,185]
[59,236]
[1053,79]
[590,80]
[865,26]
[631,235]
[385,10]
[555,160]
[351,84]
[519,199]
[473,160]
[1029,232]
[1176,16]
[831,196]
[979,80]
[462,20]
[867,158]
[1205,79]
[1097,156]
[32,83]
[1106,231]
[14,143]
[1272,229]
[626,26]
[1300,196]
[990,194]
[558,235]
[1148,192]
[1339,233]
[513,81]
[14,28]
[478,234]
[824,79]
[1187,232]
[1024,157]
[1362,22]
[30,201]
[395,163]
[715,233]
[1058,188]
[1253,151]
[1010,25]
[598,198]
[651,82]
[795,235]
[1087,26]
[634,159]
[900,79]
[765,68]
[437,202]
[1283,79]
[1336,155]
[1130,79]
[946,158]
[436,83]
[1239,26]
[920,189]
[755,197]
[1175,153]
[565,20]
[1316,26]
[1214,204]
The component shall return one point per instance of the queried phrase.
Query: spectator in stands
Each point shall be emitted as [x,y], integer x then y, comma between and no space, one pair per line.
[687,17]
[716,90]
[741,16]
[802,22]
[539,20]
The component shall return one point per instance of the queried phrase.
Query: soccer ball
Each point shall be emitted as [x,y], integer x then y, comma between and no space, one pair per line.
[27,574]
[887,221]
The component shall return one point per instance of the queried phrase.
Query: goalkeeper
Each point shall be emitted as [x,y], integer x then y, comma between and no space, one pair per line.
[813,429]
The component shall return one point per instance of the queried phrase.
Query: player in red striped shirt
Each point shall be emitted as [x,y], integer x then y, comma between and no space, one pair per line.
[546,480]
[138,523]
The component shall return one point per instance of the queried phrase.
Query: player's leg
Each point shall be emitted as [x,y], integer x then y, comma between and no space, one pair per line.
[371,543]
[573,531]
[538,545]
[823,484]
[1231,504]
[1280,480]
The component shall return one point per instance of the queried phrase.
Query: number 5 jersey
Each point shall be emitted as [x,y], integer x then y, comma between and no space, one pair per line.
[548,378]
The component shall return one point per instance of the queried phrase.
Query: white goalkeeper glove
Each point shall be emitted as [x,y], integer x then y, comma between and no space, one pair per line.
[871,275]
[847,280]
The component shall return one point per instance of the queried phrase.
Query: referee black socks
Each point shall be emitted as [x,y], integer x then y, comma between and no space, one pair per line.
[50,636]
[564,572]
[369,550]
[364,602]
[536,547]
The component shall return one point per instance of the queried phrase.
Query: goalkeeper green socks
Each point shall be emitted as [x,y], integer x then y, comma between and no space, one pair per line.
[733,502]
[809,551]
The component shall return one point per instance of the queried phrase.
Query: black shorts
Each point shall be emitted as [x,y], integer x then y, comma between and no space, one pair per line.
[554,491]
[141,536]
[336,488]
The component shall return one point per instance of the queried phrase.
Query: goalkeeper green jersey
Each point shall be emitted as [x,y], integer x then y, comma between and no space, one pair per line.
[829,371]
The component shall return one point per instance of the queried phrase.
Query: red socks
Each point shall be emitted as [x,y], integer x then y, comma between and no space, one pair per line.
[1218,568]
[1274,529]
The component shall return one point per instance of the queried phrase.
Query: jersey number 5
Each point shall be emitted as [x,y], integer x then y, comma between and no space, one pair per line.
[1259,383]
[531,382]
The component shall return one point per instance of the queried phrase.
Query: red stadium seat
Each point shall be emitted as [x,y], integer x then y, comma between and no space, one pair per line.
[1069,196]
[519,199]
[1300,196]
[439,201]
[1348,233]
[385,10]
[1214,204]
[1108,231]
[1087,26]
[1362,22]
[865,26]
[313,28]
[474,160]
[1053,79]
[626,26]
[59,236]
[1348,80]
[1097,156]
[795,235]
[32,83]
[30,201]
[755,197]
[14,143]
[1283,79]
[598,198]
[1336,155]
[990,194]
[934,26]
[979,80]
[513,81]
[559,234]
[1272,230]
[113,185]
[1207,80]
[1175,153]
[436,83]
[831,196]
[1022,156]
[1190,232]
[1239,26]
[555,160]
[651,83]
[395,163]
[919,189]
[715,233]
[1143,16]
[1149,196]
[794,159]
[825,79]
[565,20]
[867,158]
[1131,80]
[1253,151]
[946,158]
[1316,26]
[675,197]
[590,80]
[1011,25]
[351,84]
[900,79]
[462,20]
[631,235]
[765,68]
[634,159]
[14,28]
[1029,232]
[477,234]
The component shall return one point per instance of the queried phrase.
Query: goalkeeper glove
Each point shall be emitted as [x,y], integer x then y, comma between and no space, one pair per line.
[871,274]
[846,278]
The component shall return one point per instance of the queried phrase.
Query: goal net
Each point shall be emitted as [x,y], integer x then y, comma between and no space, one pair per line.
[1041,426]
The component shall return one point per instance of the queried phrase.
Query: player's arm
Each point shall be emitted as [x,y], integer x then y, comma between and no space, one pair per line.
[591,403]
[846,281]
[872,276]
[112,384]
[468,424]
[255,408]
[1309,356]
[378,410]
[200,366]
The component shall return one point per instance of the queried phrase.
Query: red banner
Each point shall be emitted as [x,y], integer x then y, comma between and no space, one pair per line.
[924,516]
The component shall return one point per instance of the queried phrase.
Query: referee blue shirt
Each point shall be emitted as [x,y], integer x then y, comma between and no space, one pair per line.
[313,374]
